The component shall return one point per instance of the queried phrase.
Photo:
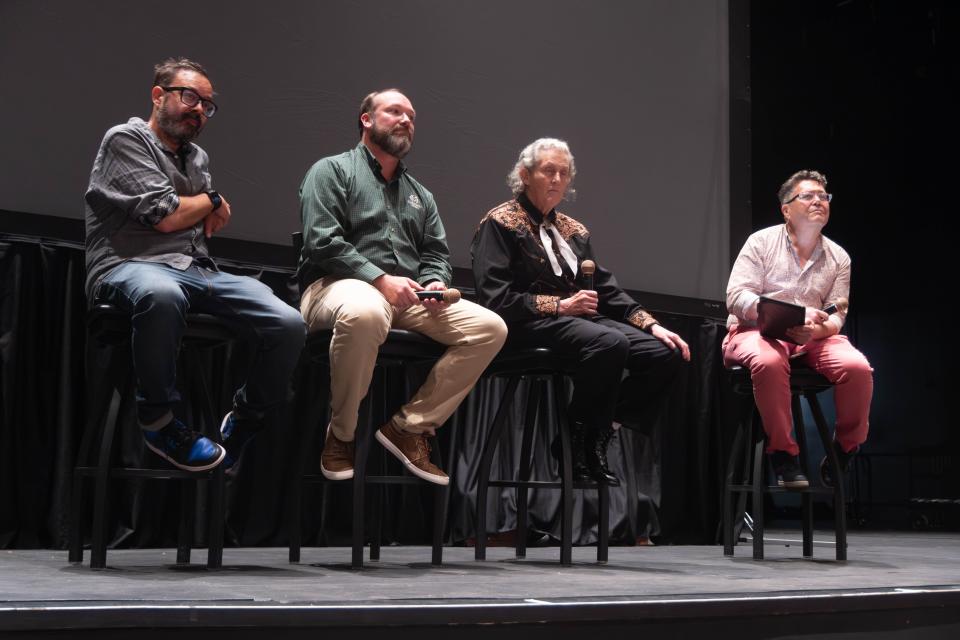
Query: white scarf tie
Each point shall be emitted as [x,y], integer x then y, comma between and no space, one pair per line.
[565,251]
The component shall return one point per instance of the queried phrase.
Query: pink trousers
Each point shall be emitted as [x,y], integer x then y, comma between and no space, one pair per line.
[769,363]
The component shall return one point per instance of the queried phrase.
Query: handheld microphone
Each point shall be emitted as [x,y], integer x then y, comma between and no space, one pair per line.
[588,267]
[449,296]
[840,305]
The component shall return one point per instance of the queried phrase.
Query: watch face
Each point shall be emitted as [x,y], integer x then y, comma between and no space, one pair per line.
[215,199]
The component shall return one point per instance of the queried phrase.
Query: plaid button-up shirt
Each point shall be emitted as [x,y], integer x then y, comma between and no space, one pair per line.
[135,183]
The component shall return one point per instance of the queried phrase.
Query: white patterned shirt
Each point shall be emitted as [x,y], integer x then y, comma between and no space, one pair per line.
[769,266]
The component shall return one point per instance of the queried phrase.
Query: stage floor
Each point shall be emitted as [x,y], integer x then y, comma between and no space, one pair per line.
[886,571]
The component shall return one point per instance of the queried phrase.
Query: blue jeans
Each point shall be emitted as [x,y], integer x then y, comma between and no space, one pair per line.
[158,298]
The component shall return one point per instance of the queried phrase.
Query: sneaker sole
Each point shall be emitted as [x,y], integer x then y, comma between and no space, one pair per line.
[336,475]
[420,473]
[803,484]
[206,467]
[227,464]
[223,424]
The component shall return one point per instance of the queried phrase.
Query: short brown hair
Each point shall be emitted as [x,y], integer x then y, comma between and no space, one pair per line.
[804,174]
[366,105]
[164,73]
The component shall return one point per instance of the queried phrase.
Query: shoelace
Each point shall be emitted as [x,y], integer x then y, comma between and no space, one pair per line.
[180,437]
[423,446]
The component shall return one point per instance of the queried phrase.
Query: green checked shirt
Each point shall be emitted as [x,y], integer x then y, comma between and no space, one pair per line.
[358,225]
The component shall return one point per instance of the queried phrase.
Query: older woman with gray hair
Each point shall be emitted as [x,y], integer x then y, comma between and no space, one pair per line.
[527,260]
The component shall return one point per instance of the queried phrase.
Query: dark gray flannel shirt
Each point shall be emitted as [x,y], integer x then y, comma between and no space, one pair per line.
[135,183]
[358,225]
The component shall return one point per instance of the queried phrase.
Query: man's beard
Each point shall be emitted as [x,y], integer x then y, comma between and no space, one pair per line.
[183,129]
[397,145]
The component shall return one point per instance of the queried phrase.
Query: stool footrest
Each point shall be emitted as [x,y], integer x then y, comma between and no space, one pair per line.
[541,484]
[773,488]
[149,474]
[319,478]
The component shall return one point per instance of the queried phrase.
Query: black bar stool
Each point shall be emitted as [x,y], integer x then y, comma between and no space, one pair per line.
[749,478]
[541,367]
[401,350]
[108,327]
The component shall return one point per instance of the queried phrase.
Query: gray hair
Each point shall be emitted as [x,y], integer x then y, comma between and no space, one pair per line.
[529,158]
[783,194]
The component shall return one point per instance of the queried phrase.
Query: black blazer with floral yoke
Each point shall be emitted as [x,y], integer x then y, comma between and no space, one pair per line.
[514,276]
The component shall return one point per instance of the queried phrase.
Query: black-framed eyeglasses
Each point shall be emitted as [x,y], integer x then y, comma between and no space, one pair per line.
[190,98]
[808,196]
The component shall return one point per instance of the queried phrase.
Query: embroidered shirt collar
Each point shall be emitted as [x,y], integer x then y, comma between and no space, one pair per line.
[534,213]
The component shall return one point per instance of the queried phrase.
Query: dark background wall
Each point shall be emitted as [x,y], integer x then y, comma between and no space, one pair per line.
[639,89]
[860,90]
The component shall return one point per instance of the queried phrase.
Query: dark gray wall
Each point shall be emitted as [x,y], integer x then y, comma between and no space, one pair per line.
[639,89]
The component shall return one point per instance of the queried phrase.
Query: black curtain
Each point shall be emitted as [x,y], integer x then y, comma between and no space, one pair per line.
[41,388]
[672,470]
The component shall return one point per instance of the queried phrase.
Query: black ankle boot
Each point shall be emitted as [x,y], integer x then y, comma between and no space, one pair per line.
[597,441]
[577,451]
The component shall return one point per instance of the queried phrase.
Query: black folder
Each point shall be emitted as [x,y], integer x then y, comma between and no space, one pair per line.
[775,317]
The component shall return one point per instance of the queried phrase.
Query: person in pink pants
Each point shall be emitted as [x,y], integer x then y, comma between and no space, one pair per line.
[794,262]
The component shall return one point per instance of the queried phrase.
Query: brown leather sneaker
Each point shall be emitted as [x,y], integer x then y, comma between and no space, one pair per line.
[336,461]
[413,450]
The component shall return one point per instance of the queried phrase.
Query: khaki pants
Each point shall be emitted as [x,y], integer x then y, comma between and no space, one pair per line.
[361,318]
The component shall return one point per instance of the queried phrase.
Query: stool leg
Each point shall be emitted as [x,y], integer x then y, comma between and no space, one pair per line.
[566,473]
[361,453]
[759,482]
[603,528]
[310,397]
[392,380]
[728,515]
[75,554]
[100,392]
[806,502]
[523,473]
[101,494]
[839,497]
[188,502]
[215,518]
[746,468]
[215,479]
[486,462]
[376,521]
[806,514]
[440,495]
[441,500]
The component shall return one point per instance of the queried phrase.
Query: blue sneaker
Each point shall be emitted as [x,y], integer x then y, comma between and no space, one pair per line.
[184,448]
[236,433]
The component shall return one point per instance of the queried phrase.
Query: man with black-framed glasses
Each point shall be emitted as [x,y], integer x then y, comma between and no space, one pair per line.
[150,207]
[794,262]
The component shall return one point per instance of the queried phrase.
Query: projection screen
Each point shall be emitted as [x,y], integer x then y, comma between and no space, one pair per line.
[638,89]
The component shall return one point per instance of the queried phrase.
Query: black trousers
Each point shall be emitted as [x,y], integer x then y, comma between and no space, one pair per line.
[604,349]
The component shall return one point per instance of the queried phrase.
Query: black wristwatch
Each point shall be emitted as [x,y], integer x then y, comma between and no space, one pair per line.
[215,199]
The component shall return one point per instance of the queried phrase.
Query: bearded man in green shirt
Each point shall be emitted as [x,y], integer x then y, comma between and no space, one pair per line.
[372,240]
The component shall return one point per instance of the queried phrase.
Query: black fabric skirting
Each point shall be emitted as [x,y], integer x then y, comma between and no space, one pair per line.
[671,471]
